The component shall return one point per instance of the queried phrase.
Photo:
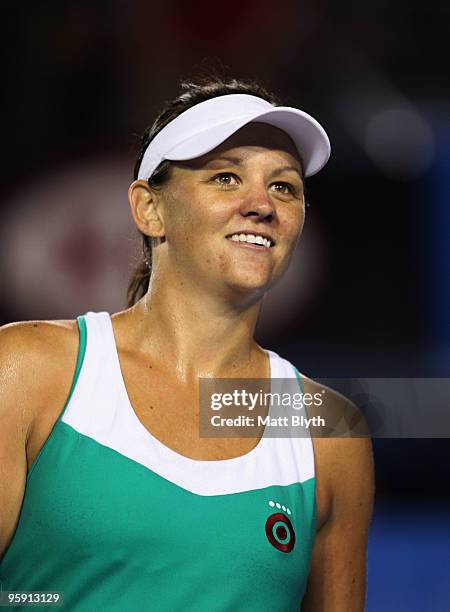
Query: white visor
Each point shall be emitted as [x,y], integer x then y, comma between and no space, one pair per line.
[205,126]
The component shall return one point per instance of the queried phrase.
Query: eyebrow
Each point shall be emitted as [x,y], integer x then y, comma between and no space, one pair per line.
[286,169]
[235,161]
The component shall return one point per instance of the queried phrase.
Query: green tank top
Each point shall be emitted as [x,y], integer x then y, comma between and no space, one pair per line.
[115,520]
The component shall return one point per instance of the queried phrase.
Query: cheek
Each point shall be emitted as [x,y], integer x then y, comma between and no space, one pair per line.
[292,224]
[300,224]
[180,214]
[189,225]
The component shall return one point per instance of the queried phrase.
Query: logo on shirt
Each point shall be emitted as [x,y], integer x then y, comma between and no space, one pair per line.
[279,530]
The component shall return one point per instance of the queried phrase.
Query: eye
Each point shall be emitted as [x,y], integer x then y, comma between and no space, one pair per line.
[225,179]
[284,188]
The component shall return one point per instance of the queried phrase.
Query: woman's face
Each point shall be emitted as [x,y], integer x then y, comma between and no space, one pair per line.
[250,185]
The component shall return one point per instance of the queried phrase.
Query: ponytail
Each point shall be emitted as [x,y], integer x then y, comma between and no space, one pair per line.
[138,285]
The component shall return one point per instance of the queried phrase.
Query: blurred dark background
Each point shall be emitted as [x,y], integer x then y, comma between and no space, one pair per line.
[368,293]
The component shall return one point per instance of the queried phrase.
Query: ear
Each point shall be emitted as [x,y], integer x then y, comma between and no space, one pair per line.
[145,209]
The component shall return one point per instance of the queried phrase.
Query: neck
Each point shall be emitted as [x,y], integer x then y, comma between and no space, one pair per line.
[198,333]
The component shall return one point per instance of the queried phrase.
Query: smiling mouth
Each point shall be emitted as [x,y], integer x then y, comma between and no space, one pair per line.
[254,241]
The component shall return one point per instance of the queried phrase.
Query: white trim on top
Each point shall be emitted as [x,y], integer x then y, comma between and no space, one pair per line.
[100,409]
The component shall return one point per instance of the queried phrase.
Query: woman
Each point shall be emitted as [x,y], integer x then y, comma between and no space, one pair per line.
[109,494]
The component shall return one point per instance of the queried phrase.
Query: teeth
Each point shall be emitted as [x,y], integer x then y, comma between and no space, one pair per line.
[251,238]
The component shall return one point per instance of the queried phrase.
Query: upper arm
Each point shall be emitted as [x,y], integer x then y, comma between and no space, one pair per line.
[29,375]
[337,579]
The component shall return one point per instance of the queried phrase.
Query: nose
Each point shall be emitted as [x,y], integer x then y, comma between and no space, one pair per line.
[258,204]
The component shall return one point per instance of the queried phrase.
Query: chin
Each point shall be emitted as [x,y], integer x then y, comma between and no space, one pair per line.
[252,288]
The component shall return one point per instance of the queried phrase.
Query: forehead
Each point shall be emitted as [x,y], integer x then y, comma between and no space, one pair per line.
[253,138]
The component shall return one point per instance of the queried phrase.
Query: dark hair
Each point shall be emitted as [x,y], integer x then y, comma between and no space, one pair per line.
[191,93]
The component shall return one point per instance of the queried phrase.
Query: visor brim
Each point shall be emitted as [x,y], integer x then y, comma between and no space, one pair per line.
[309,137]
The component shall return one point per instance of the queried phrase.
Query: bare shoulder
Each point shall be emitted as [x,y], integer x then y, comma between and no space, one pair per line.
[35,331]
[36,343]
[341,418]
[37,362]
[342,449]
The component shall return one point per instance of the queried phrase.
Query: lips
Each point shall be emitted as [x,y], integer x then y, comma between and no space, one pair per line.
[252,238]
[254,247]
